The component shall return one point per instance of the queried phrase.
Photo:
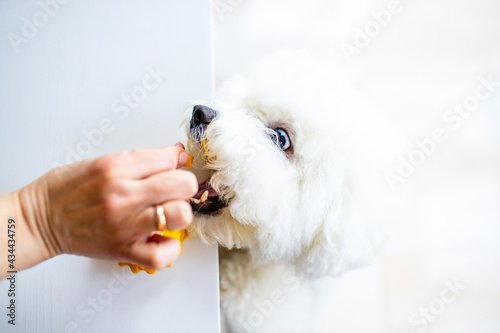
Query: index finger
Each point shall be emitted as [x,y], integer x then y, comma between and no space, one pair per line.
[143,163]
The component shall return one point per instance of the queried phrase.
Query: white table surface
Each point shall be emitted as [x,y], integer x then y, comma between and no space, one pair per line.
[65,78]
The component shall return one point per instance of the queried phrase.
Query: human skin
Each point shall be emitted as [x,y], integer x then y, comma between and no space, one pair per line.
[101,208]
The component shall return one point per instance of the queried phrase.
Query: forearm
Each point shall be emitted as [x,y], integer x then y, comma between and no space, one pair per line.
[26,244]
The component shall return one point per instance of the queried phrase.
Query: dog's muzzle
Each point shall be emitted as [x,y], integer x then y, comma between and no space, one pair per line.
[200,119]
[206,201]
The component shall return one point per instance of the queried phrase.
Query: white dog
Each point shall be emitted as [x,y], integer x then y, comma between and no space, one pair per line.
[278,191]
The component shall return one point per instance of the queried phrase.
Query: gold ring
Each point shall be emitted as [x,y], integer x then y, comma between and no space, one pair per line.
[161,219]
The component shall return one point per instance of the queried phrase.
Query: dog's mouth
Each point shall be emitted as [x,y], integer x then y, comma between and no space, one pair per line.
[207,200]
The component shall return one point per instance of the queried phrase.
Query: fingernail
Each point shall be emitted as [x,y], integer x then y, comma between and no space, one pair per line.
[183,158]
[180,145]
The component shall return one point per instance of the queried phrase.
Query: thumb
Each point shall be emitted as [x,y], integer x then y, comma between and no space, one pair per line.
[180,152]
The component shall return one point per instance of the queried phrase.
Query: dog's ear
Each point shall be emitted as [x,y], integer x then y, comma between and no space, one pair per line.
[349,237]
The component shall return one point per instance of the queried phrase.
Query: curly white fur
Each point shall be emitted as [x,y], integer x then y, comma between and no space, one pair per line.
[307,211]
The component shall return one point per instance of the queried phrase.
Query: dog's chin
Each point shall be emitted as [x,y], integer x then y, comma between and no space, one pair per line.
[207,201]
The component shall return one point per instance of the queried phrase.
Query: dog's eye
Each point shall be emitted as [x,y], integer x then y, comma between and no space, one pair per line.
[282,139]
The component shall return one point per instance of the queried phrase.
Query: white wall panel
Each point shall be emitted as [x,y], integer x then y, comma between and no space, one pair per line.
[68,76]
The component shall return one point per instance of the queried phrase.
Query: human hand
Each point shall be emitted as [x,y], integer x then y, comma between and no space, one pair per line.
[104,207]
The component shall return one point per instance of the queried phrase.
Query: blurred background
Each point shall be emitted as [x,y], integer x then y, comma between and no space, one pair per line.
[440,271]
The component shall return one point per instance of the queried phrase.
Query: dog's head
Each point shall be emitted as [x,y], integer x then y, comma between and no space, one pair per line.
[273,175]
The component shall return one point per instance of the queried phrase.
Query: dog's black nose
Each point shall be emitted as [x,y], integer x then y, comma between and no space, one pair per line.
[202,115]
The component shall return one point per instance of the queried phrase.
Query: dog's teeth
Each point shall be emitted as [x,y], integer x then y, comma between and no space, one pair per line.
[194,200]
[204,197]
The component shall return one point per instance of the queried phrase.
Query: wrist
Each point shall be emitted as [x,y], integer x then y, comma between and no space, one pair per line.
[32,208]
[27,248]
